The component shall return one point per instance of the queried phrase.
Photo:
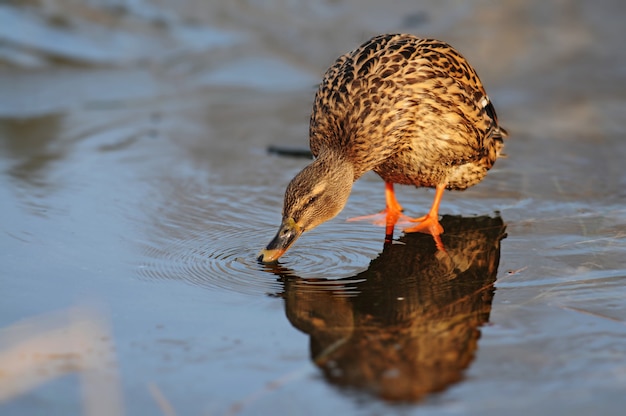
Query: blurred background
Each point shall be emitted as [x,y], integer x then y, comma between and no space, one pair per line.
[136,190]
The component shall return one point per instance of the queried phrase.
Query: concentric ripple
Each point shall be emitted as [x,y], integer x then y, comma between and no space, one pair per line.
[336,250]
[207,261]
[216,245]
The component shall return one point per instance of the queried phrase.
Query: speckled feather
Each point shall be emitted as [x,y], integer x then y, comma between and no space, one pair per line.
[413,110]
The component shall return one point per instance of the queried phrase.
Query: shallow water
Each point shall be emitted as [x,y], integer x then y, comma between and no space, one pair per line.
[136,190]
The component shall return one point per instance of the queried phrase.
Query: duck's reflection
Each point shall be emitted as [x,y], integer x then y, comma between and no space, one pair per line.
[409,324]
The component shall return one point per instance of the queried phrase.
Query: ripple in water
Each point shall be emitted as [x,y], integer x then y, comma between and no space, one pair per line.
[216,247]
[207,261]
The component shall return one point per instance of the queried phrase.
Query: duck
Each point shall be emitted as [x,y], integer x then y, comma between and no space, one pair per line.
[412,110]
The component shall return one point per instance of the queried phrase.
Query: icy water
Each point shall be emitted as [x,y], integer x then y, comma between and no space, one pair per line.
[136,191]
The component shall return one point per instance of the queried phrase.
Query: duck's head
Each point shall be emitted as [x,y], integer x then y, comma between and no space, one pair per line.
[318,193]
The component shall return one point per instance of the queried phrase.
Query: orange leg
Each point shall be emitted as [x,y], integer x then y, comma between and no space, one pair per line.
[393,206]
[429,223]
[388,216]
[391,213]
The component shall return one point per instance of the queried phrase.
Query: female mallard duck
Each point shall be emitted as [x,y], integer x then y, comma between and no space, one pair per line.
[413,111]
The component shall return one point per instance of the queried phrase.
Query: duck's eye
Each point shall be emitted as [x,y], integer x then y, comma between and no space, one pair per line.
[312,199]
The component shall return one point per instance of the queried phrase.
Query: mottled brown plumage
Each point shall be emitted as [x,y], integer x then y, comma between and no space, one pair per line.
[412,110]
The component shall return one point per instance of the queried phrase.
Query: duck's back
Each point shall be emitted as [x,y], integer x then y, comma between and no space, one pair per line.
[410,109]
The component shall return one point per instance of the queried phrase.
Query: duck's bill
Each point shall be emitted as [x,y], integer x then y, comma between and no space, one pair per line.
[286,235]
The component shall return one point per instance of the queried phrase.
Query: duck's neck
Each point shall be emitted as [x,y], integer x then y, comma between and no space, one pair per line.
[335,175]
[335,165]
